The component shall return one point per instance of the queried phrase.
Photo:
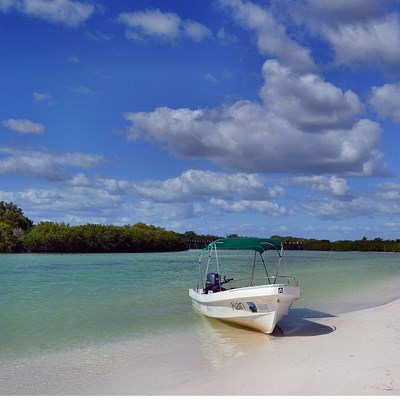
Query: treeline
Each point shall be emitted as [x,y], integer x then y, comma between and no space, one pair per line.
[19,234]
[364,244]
[50,237]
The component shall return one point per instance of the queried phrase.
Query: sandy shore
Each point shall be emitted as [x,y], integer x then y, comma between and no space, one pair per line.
[356,353]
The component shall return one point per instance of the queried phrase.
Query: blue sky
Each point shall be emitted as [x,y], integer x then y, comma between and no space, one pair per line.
[226,116]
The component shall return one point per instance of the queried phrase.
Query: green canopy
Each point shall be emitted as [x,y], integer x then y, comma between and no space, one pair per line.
[247,243]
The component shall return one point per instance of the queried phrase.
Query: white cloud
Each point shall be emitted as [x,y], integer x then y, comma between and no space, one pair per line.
[360,31]
[74,59]
[375,42]
[386,101]
[71,204]
[83,90]
[324,184]
[7,5]
[259,206]
[197,184]
[272,38]
[66,12]
[24,126]
[43,164]
[382,202]
[39,97]
[225,37]
[340,11]
[304,125]
[168,213]
[195,30]
[113,186]
[81,199]
[388,191]
[211,78]
[336,209]
[164,26]
[307,101]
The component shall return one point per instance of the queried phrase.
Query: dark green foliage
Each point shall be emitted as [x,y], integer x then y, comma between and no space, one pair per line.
[13,225]
[18,234]
[93,238]
[11,215]
[363,244]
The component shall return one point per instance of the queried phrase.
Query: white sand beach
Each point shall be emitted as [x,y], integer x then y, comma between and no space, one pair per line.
[356,353]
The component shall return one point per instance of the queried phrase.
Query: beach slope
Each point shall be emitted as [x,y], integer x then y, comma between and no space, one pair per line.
[356,353]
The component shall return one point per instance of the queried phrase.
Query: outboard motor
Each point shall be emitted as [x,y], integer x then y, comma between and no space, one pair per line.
[213,282]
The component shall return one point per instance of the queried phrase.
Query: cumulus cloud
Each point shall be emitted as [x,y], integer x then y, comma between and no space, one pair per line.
[386,101]
[307,101]
[113,186]
[6,5]
[164,26]
[43,164]
[360,31]
[304,125]
[272,39]
[361,206]
[197,185]
[79,199]
[66,12]
[259,206]
[376,42]
[75,205]
[24,126]
[383,201]
[340,11]
[324,184]
[388,191]
[168,213]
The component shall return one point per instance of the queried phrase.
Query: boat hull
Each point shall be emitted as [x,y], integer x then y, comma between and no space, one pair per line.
[258,307]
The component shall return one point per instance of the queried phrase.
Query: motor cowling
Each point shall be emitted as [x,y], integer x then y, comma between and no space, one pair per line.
[213,282]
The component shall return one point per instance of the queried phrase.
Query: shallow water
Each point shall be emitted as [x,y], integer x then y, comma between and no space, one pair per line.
[72,318]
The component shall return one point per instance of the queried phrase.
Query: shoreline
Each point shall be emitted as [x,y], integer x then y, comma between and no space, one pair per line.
[354,353]
[314,353]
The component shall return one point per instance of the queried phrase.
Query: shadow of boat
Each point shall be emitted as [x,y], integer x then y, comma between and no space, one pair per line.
[299,323]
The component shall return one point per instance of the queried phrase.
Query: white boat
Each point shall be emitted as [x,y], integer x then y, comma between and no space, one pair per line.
[258,302]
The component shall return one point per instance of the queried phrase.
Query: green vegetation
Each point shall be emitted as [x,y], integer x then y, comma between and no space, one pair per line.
[50,237]
[363,244]
[19,234]
[13,226]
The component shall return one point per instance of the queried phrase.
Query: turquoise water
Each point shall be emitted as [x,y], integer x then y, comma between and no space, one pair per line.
[58,302]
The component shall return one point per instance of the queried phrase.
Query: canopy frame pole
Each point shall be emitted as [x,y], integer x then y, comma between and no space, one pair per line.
[254,266]
[280,253]
[265,267]
[217,262]
[208,264]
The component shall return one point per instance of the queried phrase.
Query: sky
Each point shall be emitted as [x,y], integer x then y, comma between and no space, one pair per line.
[254,118]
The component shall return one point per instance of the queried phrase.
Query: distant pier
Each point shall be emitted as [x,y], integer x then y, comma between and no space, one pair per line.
[293,245]
[200,244]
